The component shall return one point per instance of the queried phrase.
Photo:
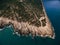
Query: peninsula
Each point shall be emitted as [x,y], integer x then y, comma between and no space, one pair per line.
[28,18]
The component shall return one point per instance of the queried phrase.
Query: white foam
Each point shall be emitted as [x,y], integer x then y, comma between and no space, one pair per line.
[1,29]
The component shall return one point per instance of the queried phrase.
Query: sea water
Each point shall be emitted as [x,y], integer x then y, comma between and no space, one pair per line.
[53,12]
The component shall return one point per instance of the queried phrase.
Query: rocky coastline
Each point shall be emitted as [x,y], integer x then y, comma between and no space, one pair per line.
[27,19]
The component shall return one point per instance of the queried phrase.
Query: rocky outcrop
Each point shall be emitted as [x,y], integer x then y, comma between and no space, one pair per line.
[27,17]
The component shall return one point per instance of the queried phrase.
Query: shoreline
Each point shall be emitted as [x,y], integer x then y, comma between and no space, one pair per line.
[48,21]
[23,28]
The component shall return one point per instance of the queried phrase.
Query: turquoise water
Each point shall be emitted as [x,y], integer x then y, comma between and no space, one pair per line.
[53,12]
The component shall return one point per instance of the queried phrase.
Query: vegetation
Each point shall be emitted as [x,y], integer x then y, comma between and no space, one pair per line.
[28,10]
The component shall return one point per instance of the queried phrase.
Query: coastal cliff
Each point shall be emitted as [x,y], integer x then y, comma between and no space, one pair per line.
[28,17]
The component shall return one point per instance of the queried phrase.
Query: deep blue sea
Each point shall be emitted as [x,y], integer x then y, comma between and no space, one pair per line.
[53,11]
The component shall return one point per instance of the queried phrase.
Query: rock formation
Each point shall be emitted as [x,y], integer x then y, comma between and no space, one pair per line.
[28,17]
